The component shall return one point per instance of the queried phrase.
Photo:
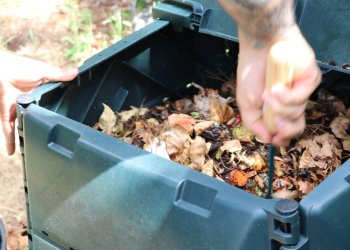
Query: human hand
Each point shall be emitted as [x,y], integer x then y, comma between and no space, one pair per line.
[287,104]
[21,75]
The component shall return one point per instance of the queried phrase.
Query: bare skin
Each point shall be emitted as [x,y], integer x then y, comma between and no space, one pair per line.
[19,75]
[261,24]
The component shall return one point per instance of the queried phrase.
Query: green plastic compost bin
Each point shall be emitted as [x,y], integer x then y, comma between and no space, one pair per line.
[87,190]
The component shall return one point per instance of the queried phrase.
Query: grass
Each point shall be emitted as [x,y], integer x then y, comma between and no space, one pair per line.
[81,35]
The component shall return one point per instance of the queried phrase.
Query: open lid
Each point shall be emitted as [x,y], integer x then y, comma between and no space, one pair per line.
[324,24]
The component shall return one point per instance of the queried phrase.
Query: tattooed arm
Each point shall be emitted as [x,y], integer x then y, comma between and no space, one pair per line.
[261,24]
[261,21]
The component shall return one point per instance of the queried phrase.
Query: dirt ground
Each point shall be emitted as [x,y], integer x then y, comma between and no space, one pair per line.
[35,29]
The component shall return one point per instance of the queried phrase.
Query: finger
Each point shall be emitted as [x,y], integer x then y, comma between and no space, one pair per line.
[287,130]
[291,112]
[10,139]
[8,130]
[56,74]
[299,93]
[47,73]
[7,115]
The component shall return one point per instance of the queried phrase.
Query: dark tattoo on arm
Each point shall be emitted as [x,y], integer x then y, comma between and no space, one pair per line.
[260,21]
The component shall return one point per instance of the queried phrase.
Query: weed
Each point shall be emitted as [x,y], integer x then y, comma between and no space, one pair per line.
[81,28]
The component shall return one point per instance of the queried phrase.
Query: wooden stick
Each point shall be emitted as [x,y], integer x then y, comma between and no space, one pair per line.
[280,70]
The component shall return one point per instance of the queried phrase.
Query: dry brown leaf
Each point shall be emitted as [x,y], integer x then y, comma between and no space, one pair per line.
[183,105]
[152,122]
[285,194]
[182,120]
[251,174]
[176,140]
[305,187]
[282,183]
[108,120]
[322,151]
[259,181]
[144,132]
[238,178]
[339,127]
[212,105]
[346,145]
[315,114]
[259,162]
[208,168]
[197,152]
[339,107]
[131,113]
[231,146]
[200,127]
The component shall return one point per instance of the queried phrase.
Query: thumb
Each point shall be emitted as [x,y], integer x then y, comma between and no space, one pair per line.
[51,73]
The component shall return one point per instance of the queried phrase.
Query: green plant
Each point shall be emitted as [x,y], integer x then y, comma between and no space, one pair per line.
[119,22]
[4,41]
[81,28]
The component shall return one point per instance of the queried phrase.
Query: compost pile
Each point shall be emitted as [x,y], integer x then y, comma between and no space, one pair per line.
[205,133]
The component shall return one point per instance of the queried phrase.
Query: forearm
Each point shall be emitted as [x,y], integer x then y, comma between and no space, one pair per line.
[261,22]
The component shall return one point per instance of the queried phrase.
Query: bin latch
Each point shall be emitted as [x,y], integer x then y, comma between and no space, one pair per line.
[181,13]
[284,223]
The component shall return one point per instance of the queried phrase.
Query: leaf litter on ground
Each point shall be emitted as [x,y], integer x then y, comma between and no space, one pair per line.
[205,133]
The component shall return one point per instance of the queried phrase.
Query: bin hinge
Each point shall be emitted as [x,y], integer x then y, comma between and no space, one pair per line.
[284,224]
[23,101]
[181,13]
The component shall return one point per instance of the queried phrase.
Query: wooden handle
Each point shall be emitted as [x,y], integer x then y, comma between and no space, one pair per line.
[280,70]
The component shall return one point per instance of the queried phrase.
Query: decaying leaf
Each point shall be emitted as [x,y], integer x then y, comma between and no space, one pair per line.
[182,120]
[339,127]
[197,152]
[208,168]
[183,105]
[259,181]
[305,187]
[238,178]
[348,113]
[176,139]
[315,114]
[346,145]
[131,113]
[259,162]
[241,133]
[339,107]
[108,120]
[231,146]
[203,134]
[251,174]
[200,127]
[212,105]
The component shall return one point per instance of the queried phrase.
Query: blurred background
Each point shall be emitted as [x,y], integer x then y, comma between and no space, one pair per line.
[63,33]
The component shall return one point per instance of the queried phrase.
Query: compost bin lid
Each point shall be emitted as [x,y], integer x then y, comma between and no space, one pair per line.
[323,23]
